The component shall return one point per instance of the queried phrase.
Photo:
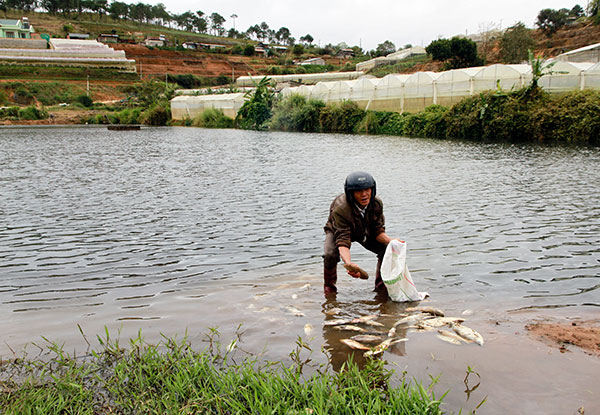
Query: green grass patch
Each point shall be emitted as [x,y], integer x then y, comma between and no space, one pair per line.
[64,73]
[172,378]
[404,66]
[213,118]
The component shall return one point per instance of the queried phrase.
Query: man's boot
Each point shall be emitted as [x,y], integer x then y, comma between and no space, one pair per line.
[379,284]
[330,278]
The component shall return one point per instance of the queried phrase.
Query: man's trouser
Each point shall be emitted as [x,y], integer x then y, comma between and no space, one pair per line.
[331,258]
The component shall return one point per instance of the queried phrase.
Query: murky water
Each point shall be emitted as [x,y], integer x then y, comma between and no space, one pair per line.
[175,229]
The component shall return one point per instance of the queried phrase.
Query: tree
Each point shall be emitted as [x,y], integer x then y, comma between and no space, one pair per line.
[439,50]
[550,20]
[577,12]
[283,34]
[118,10]
[217,24]
[307,39]
[200,22]
[256,110]
[488,31]
[298,49]
[515,43]
[593,8]
[385,48]
[458,52]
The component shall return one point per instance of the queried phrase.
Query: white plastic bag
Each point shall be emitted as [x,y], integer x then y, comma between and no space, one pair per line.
[396,276]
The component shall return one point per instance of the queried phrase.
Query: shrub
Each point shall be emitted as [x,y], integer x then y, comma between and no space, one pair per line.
[213,118]
[341,118]
[295,113]
[249,50]
[22,96]
[159,114]
[9,112]
[32,113]
[84,100]
[3,98]
[256,110]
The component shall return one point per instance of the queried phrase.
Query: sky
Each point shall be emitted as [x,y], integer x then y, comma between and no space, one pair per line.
[367,23]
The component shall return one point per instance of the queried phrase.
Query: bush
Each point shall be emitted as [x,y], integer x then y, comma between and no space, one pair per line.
[32,113]
[9,112]
[213,118]
[84,100]
[249,50]
[341,118]
[159,114]
[22,96]
[295,113]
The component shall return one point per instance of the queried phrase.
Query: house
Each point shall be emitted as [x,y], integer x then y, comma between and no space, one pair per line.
[279,49]
[313,61]
[212,46]
[154,42]
[16,29]
[190,45]
[345,53]
[108,38]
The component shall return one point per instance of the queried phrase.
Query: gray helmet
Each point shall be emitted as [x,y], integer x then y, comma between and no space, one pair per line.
[357,181]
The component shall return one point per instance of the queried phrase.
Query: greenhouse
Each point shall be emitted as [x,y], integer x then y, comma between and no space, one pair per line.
[566,76]
[415,92]
[189,106]
[308,78]
[501,76]
[454,85]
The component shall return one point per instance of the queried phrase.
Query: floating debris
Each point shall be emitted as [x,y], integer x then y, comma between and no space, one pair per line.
[392,332]
[467,333]
[308,329]
[336,322]
[305,287]
[294,311]
[333,311]
[428,310]
[353,344]
[355,268]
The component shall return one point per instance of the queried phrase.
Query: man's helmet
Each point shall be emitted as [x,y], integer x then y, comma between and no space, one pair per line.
[357,181]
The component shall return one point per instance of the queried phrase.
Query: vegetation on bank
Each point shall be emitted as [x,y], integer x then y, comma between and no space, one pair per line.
[527,114]
[173,378]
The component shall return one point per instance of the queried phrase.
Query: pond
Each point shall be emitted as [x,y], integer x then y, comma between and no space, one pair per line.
[175,230]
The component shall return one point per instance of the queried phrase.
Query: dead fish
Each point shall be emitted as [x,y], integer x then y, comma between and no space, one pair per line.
[468,333]
[294,311]
[392,332]
[383,346]
[453,335]
[336,322]
[308,329]
[333,311]
[355,268]
[448,339]
[428,310]
[348,327]
[305,287]
[364,319]
[440,321]
[367,338]
[412,319]
[353,344]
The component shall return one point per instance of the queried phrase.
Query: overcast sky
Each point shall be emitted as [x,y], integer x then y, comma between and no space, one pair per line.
[369,23]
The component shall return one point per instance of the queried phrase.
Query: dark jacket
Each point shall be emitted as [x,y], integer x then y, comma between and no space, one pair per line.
[347,224]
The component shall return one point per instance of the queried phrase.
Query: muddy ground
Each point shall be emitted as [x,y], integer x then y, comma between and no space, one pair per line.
[566,335]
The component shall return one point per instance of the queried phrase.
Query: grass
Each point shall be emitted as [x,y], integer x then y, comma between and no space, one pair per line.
[64,73]
[172,378]
[404,66]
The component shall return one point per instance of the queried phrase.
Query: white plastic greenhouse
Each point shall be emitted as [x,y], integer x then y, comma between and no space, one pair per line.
[411,93]
[308,78]
[188,106]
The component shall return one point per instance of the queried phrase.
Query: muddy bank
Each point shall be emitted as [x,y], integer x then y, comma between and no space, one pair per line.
[567,335]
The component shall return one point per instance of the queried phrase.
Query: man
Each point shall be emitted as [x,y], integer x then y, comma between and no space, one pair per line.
[354,216]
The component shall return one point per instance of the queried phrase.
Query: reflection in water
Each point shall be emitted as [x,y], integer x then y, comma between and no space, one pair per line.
[387,312]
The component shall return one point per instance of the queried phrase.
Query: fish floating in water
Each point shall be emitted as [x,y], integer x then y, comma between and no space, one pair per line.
[355,268]
[453,335]
[294,311]
[448,339]
[436,322]
[427,310]
[353,344]
[412,319]
[348,327]
[383,346]
[367,338]
[308,329]
[467,333]
[333,311]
